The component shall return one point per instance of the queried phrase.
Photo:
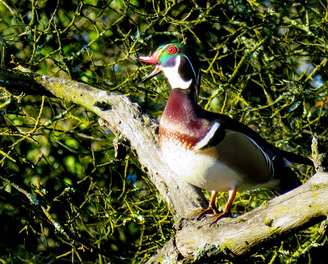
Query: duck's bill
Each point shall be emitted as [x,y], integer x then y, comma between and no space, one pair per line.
[157,70]
[152,59]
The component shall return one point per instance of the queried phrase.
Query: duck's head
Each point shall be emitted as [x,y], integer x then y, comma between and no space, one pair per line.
[180,65]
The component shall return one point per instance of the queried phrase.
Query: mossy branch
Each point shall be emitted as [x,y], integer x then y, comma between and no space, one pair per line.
[255,229]
[234,238]
[122,117]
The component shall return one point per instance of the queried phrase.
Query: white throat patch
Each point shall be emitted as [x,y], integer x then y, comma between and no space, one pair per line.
[173,76]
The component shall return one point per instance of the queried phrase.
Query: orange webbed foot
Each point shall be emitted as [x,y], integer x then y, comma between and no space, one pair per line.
[210,215]
[212,219]
[201,213]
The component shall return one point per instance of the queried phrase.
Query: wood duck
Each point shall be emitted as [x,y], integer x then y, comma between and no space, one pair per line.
[210,150]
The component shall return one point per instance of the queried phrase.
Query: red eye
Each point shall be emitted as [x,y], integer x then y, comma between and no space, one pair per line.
[172,50]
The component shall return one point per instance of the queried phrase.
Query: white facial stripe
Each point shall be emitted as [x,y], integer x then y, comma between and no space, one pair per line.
[196,75]
[172,75]
[207,137]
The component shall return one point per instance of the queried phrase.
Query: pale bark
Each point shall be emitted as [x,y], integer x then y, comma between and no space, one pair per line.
[231,237]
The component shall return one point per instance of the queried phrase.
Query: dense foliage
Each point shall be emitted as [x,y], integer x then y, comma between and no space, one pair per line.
[66,196]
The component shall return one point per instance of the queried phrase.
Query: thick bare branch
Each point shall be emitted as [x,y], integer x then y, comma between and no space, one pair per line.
[123,118]
[236,237]
[232,237]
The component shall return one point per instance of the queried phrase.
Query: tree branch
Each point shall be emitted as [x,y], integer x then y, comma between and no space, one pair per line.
[232,237]
[122,117]
[236,237]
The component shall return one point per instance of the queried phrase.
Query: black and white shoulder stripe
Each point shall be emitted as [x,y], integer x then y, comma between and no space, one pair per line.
[212,138]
